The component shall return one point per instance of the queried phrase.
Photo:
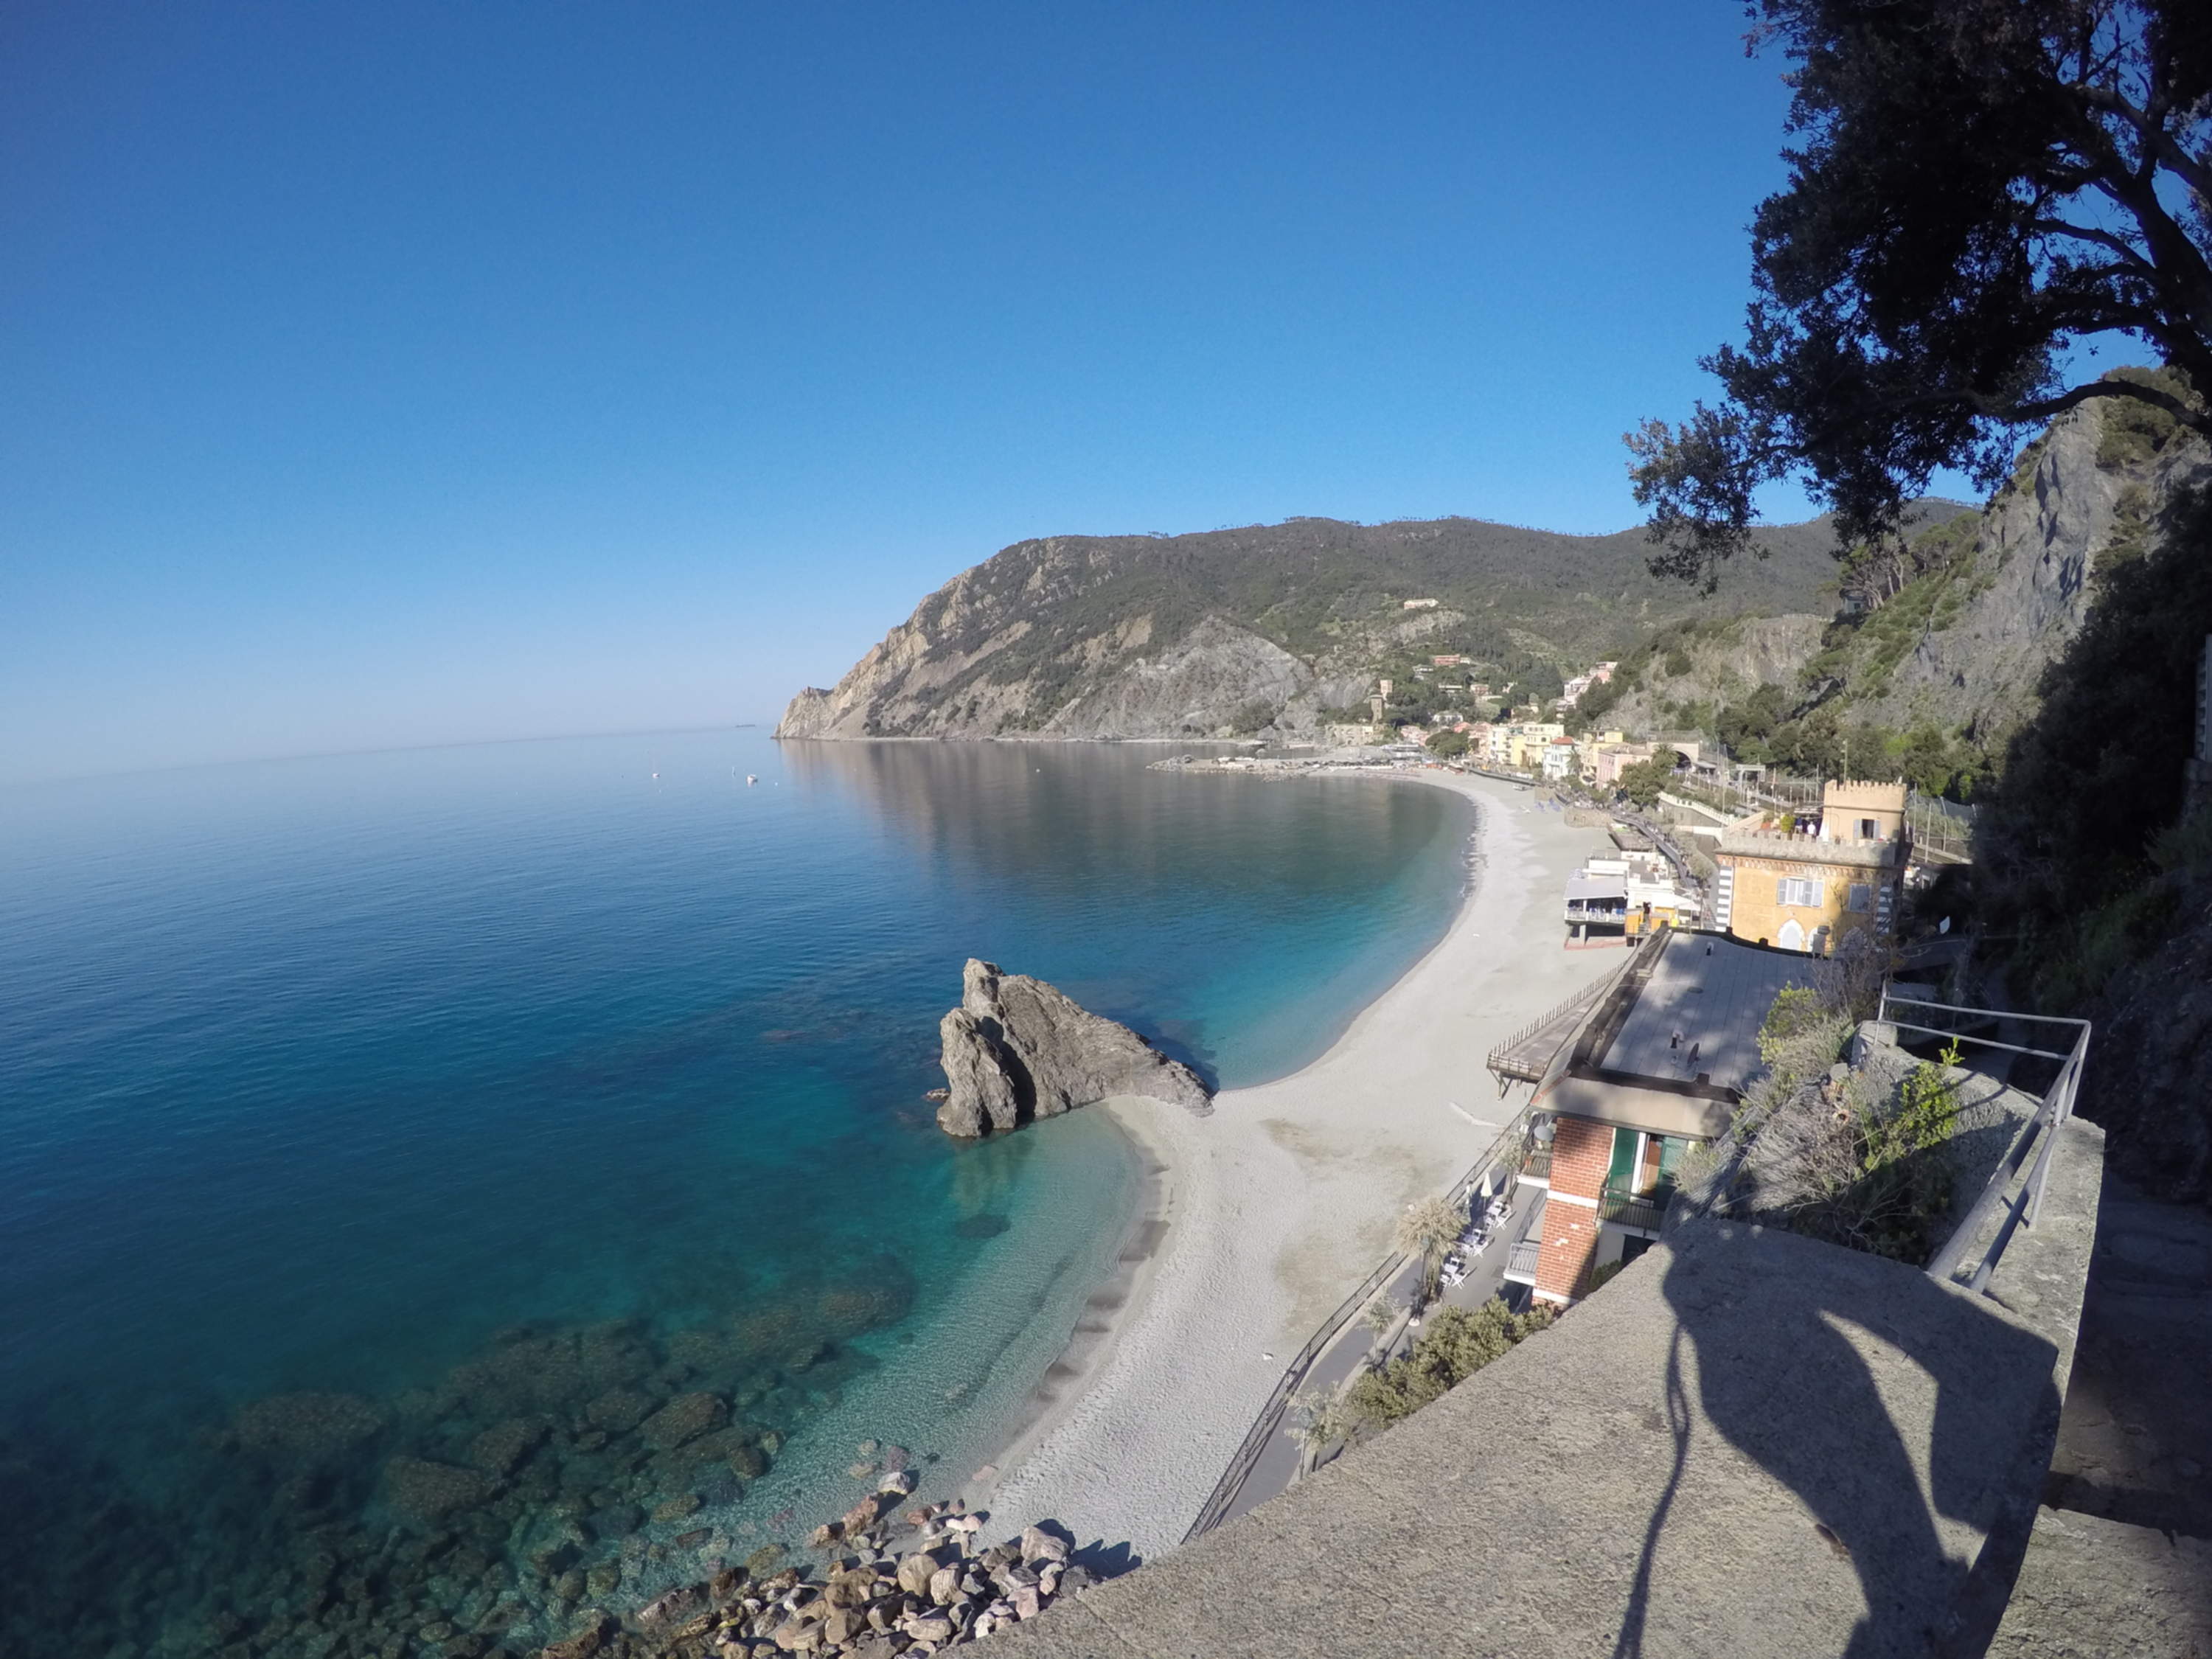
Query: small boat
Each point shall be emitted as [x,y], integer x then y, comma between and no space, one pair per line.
[750,780]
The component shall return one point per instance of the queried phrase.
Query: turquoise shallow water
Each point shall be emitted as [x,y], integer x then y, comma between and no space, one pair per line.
[385,1139]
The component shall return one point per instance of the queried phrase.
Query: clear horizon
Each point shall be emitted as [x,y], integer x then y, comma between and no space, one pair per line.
[442,377]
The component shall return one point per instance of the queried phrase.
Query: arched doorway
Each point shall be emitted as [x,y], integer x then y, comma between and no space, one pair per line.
[1792,936]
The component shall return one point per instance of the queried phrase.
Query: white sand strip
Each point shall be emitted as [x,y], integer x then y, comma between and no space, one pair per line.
[1282,1201]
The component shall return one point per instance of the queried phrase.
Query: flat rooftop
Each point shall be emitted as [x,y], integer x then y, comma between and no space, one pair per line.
[1675,1045]
[1706,994]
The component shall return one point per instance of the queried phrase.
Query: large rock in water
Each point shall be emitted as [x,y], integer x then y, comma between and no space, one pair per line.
[1016,1048]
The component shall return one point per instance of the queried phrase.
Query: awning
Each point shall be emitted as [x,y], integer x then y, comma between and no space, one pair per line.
[1584,887]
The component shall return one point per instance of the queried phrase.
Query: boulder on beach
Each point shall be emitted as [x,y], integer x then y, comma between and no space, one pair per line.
[1016,1049]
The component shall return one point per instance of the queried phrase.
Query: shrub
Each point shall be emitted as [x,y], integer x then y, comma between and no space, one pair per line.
[1456,1343]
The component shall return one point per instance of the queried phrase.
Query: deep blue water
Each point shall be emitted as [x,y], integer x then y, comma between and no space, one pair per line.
[446,1090]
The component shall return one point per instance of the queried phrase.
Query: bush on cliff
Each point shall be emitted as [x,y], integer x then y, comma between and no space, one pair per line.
[1455,1344]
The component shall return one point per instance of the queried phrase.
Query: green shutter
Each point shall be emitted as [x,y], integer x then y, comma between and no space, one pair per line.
[1671,1148]
[1622,1174]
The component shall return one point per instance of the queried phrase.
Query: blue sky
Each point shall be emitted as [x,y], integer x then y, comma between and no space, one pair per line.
[410,373]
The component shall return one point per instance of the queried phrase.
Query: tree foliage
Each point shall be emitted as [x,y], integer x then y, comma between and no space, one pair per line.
[1427,1230]
[1449,745]
[1457,1343]
[1975,187]
[1642,782]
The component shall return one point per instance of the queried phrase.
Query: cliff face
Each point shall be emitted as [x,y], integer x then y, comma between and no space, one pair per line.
[2151,1050]
[2080,497]
[1239,631]
[1217,678]
[1998,596]
[1725,669]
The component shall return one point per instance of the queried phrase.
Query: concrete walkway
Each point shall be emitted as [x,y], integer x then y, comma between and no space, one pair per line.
[2136,1443]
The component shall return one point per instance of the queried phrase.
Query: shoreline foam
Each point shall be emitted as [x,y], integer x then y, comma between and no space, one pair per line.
[1277,1206]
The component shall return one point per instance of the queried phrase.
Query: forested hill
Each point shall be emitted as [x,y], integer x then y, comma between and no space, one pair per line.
[1269,626]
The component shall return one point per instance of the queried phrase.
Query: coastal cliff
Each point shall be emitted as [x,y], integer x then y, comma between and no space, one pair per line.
[1951,635]
[2086,495]
[1016,1049]
[1267,629]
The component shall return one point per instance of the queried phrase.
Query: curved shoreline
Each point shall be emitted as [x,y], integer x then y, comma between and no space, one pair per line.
[1265,1215]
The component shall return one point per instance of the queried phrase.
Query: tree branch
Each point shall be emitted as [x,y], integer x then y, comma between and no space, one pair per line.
[2156,138]
[2106,238]
[2044,408]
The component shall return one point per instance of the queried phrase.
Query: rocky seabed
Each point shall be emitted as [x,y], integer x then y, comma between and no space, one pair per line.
[576,1491]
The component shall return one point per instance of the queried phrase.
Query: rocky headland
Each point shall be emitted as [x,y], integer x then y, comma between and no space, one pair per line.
[1016,1049]
[1266,629]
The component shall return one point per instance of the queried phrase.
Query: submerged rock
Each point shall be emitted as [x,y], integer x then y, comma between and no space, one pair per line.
[428,1491]
[1016,1049]
[684,1417]
[310,1427]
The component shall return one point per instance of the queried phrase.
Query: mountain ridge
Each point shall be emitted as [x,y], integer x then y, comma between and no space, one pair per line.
[1266,626]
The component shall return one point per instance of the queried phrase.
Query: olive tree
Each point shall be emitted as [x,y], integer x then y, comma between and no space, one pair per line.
[1976,186]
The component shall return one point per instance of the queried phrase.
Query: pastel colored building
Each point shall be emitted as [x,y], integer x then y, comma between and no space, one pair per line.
[1804,888]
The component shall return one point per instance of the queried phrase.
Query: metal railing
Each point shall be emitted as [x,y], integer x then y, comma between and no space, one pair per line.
[1270,1418]
[1642,1209]
[1521,1257]
[1999,1195]
[1538,1165]
[1502,1067]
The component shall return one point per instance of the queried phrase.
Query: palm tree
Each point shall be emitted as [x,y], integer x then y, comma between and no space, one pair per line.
[1318,1421]
[1427,1230]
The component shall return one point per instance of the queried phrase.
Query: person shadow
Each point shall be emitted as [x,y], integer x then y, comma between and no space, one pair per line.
[1827,1369]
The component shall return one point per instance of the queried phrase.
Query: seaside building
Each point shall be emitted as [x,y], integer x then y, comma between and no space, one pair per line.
[1521,744]
[1609,759]
[1803,885]
[1558,759]
[1626,896]
[1656,1068]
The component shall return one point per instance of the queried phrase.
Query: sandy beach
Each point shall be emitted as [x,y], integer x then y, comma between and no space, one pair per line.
[1266,1215]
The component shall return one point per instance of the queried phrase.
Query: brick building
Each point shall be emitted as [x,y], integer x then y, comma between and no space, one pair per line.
[1656,1068]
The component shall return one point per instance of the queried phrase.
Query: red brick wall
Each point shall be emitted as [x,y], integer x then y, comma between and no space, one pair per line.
[1582,1153]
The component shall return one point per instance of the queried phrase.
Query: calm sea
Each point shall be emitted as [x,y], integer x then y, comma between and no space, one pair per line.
[442,1191]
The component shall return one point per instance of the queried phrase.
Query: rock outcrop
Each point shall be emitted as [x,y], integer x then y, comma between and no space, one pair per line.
[2076,499]
[1994,612]
[1016,1049]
